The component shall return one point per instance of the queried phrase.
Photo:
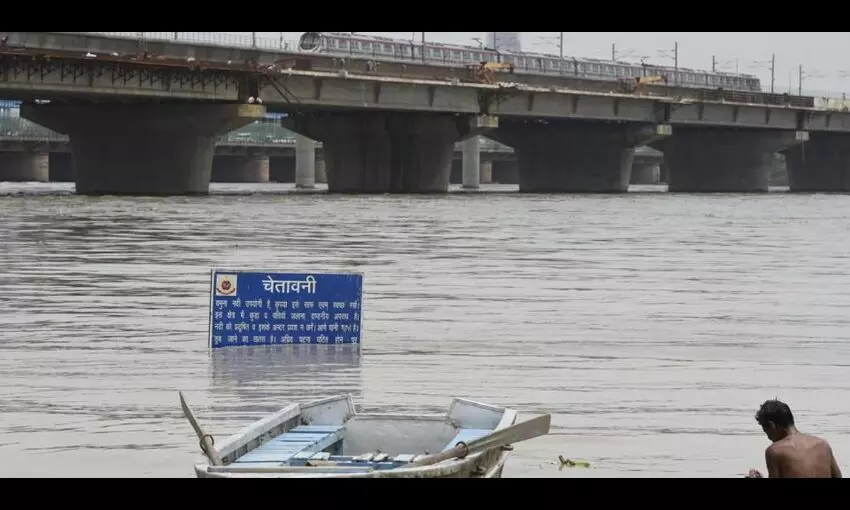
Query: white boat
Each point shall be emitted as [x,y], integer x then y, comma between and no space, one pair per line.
[327,438]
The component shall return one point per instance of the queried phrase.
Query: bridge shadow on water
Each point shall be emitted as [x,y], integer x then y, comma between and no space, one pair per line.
[249,382]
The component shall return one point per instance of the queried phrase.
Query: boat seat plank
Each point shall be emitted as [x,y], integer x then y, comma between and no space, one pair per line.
[317,429]
[294,437]
[288,445]
[465,436]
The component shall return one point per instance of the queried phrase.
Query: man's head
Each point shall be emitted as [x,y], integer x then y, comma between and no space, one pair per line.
[775,419]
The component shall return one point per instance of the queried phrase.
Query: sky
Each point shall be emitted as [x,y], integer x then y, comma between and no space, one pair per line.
[824,73]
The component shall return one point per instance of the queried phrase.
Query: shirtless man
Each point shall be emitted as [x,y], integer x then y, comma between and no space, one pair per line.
[793,454]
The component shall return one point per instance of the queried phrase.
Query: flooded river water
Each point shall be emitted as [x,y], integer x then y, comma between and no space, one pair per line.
[651,325]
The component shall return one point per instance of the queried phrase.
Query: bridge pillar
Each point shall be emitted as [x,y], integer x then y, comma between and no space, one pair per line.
[321,173]
[237,168]
[387,152]
[486,172]
[645,173]
[820,165]
[24,167]
[471,163]
[61,167]
[143,149]
[305,162]
[506,172]
[575,157]
[715,160]
[282,169]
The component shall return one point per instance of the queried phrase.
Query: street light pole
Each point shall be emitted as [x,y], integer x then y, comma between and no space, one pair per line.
[561,46]
[772,71]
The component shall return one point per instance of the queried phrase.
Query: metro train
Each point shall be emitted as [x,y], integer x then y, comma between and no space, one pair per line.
[384,48]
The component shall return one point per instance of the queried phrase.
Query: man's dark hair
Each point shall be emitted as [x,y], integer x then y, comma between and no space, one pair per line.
[775,411]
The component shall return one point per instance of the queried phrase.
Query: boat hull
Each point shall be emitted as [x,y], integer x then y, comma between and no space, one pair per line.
[334,426]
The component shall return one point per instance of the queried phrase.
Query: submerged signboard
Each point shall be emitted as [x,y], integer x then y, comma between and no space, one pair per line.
[266,308]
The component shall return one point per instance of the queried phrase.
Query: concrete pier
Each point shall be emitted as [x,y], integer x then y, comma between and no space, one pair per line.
[705,160]
[471,163]
[24,167]
[386,152]
[143,149]
[820,165]
[506,172]
[486,172]
[228,168]
[61,167]
[575,157]
[321,173]
[305,162]
[282,169]
[645,173]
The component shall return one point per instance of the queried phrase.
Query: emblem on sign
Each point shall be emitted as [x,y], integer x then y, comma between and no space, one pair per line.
[225,285]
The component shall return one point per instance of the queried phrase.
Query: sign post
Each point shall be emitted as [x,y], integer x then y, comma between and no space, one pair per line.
[268,308]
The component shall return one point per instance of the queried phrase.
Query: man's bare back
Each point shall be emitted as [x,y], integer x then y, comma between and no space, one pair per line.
[793,454]
[801,456]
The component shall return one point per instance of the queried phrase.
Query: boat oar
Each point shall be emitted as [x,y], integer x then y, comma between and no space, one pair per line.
[528,429]
[207,444]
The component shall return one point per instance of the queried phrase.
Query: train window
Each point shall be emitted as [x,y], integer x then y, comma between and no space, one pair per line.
[343,44]
[456,55]
[388,48]
[467,55]
[367,46]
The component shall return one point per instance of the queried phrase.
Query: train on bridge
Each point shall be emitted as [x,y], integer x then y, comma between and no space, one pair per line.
[348,44]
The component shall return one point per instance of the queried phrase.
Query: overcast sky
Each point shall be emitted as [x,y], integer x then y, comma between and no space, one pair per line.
[820,53]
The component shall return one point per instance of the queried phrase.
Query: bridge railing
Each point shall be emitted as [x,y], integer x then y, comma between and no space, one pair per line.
[265,133]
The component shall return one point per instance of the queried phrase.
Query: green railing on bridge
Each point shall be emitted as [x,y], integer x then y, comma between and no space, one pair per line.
[263,133]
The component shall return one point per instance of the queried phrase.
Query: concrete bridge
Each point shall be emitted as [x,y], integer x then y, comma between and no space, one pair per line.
[259,152]
[397,133]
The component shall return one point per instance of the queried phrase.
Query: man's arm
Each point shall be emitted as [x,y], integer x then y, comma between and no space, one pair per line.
[836,473]
[771,458]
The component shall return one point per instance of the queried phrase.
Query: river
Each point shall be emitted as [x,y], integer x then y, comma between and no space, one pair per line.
[651,325]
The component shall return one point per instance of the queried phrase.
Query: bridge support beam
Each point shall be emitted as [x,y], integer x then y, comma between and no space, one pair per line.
[24,167]
[486,173]
[820,165]
[305,162]
[228,168]
[143,149]
[321,172]
[506,172]
[645,173]
[61,167]
[471,163]
[575,157]
[381,152]
[723,160]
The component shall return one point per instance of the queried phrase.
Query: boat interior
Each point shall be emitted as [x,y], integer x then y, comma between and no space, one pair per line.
[329,435]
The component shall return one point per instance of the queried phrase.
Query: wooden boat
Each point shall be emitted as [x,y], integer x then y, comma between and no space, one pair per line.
[327,438]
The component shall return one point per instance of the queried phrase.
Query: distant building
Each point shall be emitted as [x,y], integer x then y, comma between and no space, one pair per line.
[509,41]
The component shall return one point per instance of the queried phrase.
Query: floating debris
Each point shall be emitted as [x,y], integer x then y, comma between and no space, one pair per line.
[573,463]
